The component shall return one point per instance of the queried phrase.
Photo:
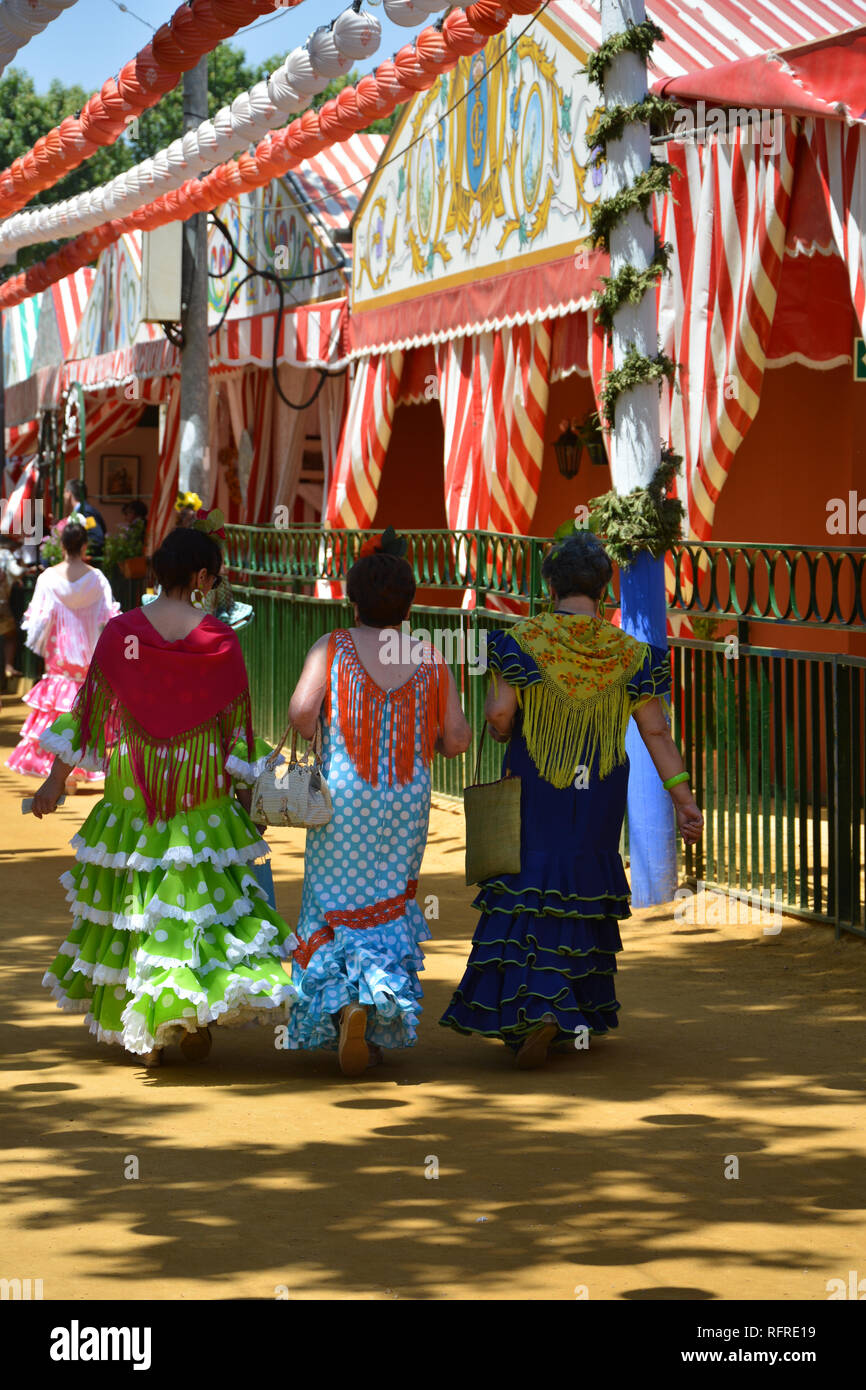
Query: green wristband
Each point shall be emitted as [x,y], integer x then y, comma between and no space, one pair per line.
[675,781]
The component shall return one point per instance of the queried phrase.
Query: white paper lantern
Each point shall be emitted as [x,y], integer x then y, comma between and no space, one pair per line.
[325,56]
[435,6]
[208,143]
[406,12]
[305,79]
[192,152]
[357,33]
[285,97]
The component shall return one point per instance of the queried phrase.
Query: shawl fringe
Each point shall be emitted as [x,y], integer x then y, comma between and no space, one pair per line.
[159,773]
[563,731]
[361,706]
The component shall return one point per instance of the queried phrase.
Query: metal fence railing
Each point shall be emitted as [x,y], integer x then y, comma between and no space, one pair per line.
[773,738]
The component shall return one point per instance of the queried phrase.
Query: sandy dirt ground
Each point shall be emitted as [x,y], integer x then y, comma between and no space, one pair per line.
[263,1173]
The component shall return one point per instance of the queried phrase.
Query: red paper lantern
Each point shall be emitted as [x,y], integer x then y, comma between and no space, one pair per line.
[409,70]
[330,124]
[433,53]
[351,114]
[168,50]
[488,16]
[461,36]
[391,85]
[370,97]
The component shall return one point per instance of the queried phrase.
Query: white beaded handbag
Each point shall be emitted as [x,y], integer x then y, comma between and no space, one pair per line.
[298,794]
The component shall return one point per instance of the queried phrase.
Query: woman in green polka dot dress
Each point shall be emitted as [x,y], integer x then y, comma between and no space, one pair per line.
[171,931]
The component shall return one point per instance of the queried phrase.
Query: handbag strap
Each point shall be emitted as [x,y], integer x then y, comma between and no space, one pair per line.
[315,744]
[506,770]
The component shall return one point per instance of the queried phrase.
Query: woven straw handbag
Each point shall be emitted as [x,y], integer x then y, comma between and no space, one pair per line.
[298,794]
[492,824]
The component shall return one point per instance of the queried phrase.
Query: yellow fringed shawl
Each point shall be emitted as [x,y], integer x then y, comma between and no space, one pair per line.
[581,706]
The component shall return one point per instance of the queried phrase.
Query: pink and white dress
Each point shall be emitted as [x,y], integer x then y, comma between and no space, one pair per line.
[63,623]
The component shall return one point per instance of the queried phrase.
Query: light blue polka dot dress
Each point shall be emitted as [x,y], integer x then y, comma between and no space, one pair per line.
[360,927]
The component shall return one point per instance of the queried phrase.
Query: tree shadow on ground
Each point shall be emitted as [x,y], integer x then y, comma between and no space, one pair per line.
[609,1161]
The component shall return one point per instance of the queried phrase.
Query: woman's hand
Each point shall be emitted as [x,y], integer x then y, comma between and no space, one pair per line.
[689,820]
[46,799]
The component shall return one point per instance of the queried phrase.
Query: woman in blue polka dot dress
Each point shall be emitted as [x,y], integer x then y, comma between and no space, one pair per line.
[387,703]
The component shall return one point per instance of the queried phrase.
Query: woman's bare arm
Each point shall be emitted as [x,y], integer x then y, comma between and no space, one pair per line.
[456,734]
[500,708]
[667,760]
[309,693]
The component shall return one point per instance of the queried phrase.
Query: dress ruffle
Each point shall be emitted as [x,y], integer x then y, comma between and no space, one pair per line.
[171,930]
[30,757]
[118,836]
[546,944]
[374,967]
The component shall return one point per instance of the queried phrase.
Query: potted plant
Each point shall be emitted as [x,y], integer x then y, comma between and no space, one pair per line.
[125,549]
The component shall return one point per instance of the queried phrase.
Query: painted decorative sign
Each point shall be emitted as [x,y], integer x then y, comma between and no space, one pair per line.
[112,316]
[273,233]
[495,171]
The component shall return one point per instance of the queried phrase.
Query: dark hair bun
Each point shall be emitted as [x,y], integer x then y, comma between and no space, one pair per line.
[579,565]
[180,557]
[383,586]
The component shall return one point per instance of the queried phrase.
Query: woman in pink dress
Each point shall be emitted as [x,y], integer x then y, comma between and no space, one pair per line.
[71,604]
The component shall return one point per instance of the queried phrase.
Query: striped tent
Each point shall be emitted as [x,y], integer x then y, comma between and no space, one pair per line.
[727,222]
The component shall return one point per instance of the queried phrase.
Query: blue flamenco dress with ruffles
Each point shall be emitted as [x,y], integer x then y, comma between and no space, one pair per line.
[548,936]
[360,929]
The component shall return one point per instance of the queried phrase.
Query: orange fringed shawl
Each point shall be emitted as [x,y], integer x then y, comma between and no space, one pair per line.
[361,706]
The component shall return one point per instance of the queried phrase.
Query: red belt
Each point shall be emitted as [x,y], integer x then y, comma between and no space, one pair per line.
[358,919]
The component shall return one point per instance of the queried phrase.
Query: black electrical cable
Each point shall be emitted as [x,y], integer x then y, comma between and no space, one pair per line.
[280,283]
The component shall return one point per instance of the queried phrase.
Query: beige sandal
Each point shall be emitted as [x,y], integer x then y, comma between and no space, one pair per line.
[353,1053]
[533,1053]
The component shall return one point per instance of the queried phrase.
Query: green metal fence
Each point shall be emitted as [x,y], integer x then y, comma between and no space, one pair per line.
[773,738]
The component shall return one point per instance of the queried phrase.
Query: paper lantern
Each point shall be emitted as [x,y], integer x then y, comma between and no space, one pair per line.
[406,12]
[325,56]
[433,53]
[167,50]
[410,71]
[285,97]
[461,36]
[357,33]
[305,79]
[488,16]
[370,97]
[391,84]
[330,124]
[351,114]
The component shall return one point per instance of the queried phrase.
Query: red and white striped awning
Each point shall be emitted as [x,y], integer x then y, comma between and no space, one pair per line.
[312,335]
[703,33]
[331,183]
[825,78]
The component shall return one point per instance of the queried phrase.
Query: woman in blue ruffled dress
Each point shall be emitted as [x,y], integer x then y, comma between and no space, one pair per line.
[564,686]
[387,704]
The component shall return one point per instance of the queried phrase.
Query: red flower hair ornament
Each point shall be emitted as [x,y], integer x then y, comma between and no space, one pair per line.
[212,523]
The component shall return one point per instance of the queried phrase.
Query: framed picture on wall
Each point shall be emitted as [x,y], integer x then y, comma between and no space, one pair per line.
[119,477]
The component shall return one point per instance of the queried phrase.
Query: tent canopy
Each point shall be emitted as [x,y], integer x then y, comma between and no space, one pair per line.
[824,78]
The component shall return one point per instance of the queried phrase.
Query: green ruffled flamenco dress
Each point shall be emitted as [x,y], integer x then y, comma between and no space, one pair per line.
[171,931]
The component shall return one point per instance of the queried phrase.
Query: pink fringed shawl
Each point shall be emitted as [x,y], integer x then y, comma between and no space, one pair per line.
[157,695]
